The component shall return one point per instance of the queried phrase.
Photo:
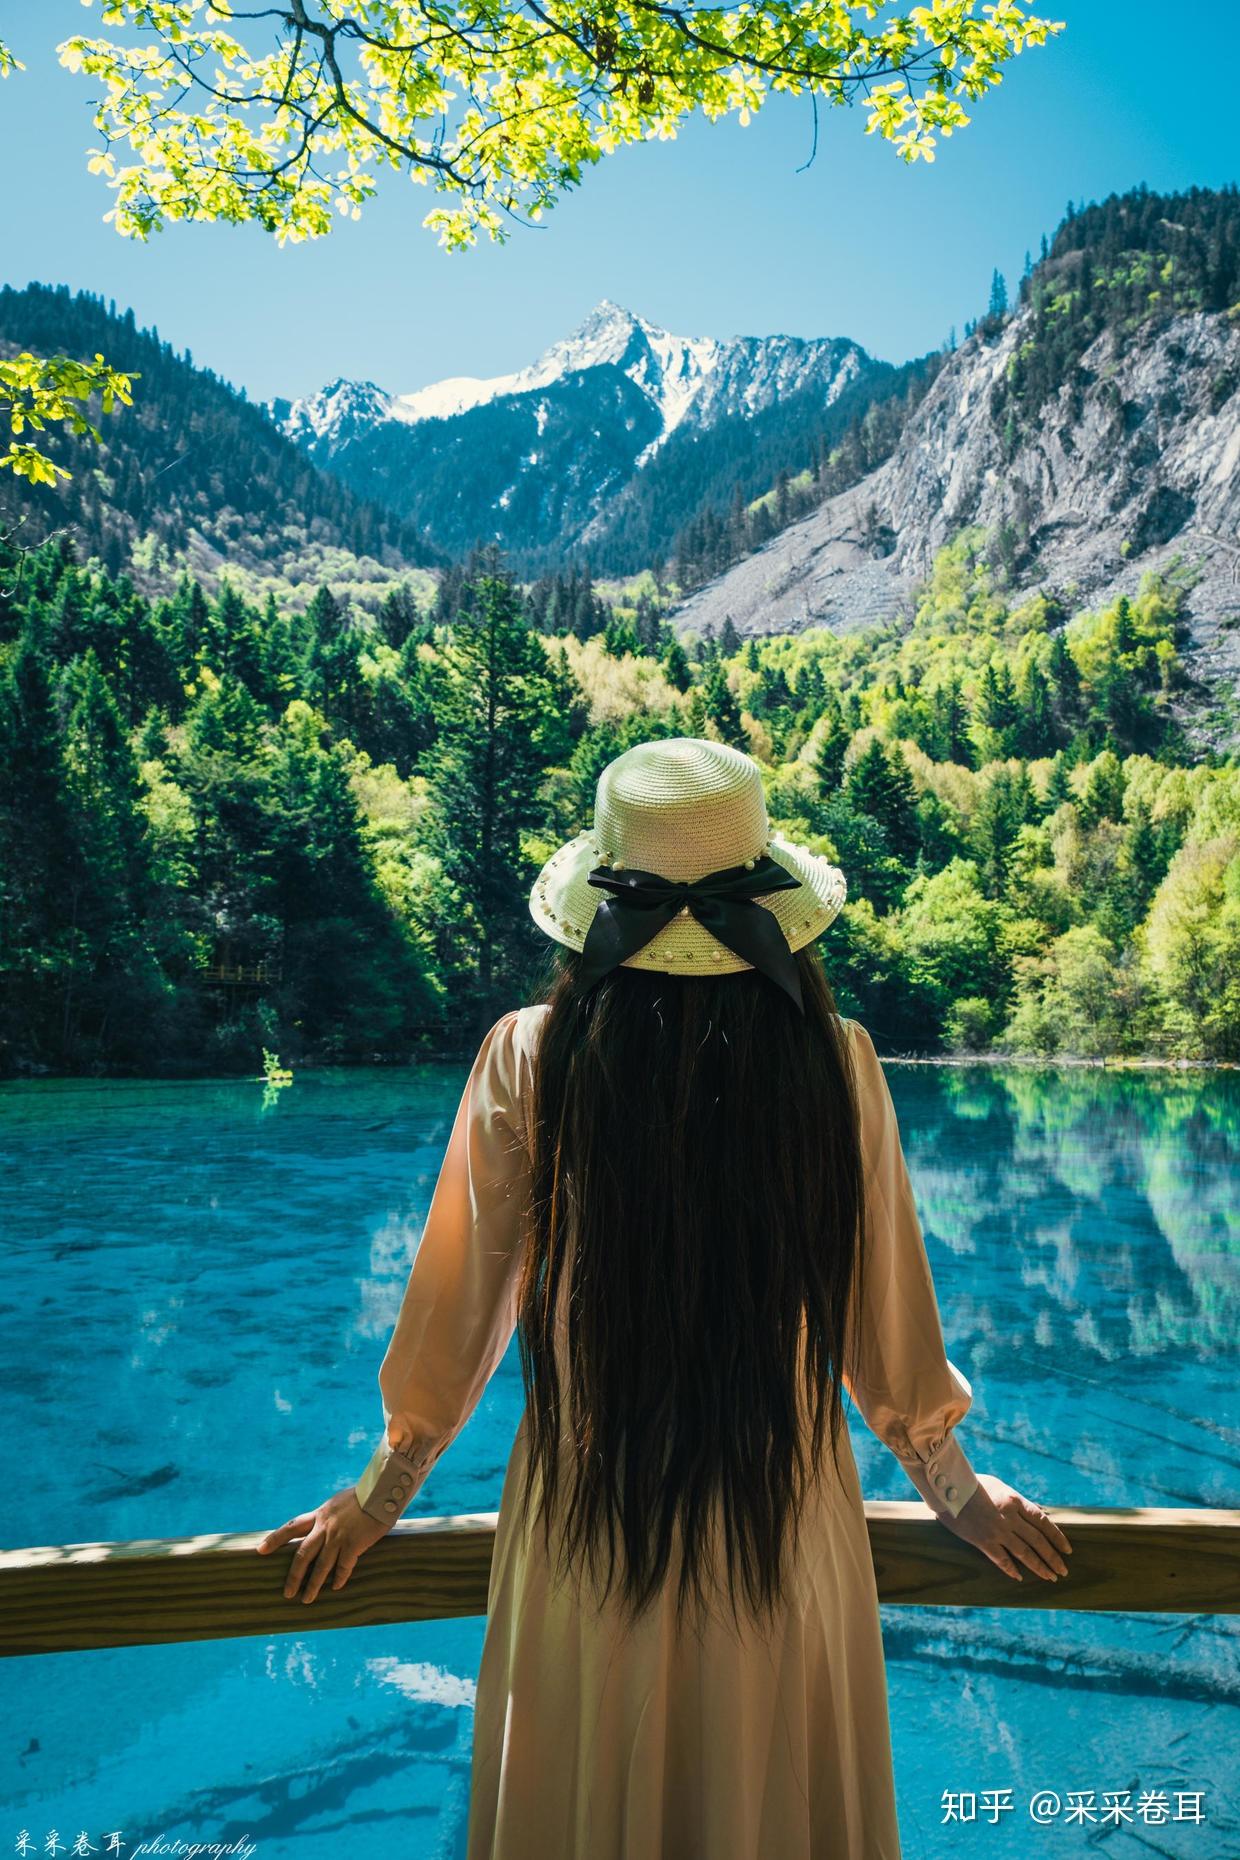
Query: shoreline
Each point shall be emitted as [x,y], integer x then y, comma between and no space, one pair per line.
[1045,1062]
[957,1061]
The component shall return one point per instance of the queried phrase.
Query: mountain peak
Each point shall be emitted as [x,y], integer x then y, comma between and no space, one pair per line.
[607,333]
[613,315]
[607,306]
[698,379]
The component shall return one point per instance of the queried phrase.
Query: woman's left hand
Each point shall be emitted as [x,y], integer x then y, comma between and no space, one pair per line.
[335,1536]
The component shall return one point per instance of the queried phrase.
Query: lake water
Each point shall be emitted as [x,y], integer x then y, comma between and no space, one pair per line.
[198,1288]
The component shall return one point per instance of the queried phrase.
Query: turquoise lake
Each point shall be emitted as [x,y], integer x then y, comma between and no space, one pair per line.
[198,1287]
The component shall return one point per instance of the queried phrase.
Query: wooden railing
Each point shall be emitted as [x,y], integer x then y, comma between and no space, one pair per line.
[68,1597]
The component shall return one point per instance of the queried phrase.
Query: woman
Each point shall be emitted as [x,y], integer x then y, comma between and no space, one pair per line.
[679,1178]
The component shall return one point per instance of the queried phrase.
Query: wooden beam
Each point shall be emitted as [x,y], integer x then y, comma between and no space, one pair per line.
[1128,1561]
[70,1597]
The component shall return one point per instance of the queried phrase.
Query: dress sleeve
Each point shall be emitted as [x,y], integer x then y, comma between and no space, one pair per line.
[458,1311]
[910,1395]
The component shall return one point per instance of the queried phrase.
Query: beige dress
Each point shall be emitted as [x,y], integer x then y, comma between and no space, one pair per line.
[596,1743]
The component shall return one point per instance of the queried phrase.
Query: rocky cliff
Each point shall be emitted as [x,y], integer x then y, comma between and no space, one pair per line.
[1133,463]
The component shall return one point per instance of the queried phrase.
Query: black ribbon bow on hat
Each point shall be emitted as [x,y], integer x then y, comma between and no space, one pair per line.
[723,902]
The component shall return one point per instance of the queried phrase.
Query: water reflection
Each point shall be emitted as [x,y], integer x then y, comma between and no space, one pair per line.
[185,1272]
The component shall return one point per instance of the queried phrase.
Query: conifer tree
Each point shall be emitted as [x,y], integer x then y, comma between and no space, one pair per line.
[38,850]
[1058,787]
[720,705]
[277,671]
[1007,803]
[828,761]
[1103,797]
[497,731]
[398,615]
[880,785]
[675,665]
[111,969]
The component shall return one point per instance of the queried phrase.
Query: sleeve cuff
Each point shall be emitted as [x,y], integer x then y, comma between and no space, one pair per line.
[944,1477]
[390,1481]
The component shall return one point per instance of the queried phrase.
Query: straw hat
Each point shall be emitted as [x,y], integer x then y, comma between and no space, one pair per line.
[683,807]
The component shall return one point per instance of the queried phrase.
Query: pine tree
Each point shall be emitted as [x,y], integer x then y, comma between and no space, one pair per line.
[38,851]
[828,760]
[880,785]
[398,615]
[996,711]
[352,971]
[497,731]
[225,721]
[1036,732]
[721,707]
[646,626]
[811,687]
[1103,797]
[1125,626]
[675,665]
[1065,684]
[112,972]
[191,619]
[1058,787]
[153,736]
[1006,802]
[1135,877]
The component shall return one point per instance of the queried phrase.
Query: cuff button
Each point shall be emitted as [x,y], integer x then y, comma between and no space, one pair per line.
[388,1505]
[951,1491]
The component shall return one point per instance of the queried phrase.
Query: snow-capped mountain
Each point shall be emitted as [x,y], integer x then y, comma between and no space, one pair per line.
[542,459]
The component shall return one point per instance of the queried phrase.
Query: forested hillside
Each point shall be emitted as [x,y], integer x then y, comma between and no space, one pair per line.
[1092,426]
[707,499]
[225,827]
[193,474]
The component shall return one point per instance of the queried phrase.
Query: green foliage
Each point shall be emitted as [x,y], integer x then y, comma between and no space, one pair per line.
[498,730]
[1074,998]
[190,472]
[969,1025]
[1136,259]
[226,825]
[292,127]
[36,391]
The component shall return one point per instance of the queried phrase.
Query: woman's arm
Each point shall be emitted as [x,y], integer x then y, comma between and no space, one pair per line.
[908,1391]
[458,1311]
[456,1317]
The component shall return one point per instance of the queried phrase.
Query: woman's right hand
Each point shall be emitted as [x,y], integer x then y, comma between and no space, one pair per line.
[1009,1530]
[333,1536]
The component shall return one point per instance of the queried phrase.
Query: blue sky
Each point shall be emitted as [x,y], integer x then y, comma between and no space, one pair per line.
[715,233]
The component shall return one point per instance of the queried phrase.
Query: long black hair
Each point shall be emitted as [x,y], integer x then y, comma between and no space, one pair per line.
[697,1178]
